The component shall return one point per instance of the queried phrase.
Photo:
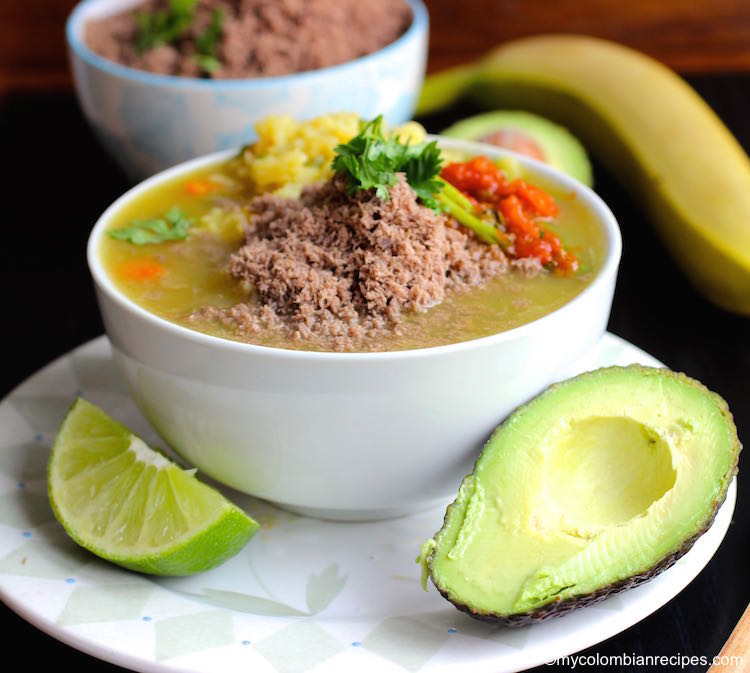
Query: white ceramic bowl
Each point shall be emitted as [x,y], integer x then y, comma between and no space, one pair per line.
[349,436]
[149,122]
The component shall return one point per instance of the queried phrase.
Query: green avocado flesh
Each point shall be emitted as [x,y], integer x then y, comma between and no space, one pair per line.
[604,478]
[559,148]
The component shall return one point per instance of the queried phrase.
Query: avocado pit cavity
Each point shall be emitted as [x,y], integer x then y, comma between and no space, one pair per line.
[605,471]
[529,134]
[516,141]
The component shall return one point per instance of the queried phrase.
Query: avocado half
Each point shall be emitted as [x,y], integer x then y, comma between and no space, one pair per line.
[596,485]
[528,134]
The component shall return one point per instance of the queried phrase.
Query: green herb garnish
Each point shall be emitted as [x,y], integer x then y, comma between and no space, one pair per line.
[205,43]
[163,27]
[422,173]
[370,160]
[207,63]
[172,227]
[455,203]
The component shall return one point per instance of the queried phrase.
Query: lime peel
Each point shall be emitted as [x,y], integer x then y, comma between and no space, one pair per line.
[131,505]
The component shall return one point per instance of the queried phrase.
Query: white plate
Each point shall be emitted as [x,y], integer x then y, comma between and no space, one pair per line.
[304,595]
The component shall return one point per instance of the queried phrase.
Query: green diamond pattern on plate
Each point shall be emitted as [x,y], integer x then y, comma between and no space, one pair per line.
[102,573]
[298,647]
[103,603]
[53,560]
[456,622]
[24,509]
[235,600]
[513,637]
[450,618]
[24,461]
[177,636]
[43,413]
[226,627]
[323,588]
[406,642]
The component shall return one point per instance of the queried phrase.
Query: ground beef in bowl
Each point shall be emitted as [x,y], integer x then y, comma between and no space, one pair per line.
[337,266]
[236,39]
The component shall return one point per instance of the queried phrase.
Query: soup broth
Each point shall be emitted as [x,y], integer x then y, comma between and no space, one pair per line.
[175,279]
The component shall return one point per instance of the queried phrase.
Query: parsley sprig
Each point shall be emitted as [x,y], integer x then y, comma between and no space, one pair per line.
[169,26]
[172,227]
[205,43]
[163,27]
[371,160]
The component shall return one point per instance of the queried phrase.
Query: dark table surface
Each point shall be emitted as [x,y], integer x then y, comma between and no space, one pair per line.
[58,181]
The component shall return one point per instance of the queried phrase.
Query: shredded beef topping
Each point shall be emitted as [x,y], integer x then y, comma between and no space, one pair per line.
[338,266]
[259,37]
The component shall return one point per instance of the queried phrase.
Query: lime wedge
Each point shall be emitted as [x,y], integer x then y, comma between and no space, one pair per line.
[129,504]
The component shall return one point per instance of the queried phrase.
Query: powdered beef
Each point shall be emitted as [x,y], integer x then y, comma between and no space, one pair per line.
[258,37]
[340,266]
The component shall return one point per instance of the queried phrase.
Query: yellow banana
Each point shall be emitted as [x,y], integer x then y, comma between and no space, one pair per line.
[644,123]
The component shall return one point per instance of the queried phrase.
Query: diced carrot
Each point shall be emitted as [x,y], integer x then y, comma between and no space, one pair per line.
[141,269]
[199,187]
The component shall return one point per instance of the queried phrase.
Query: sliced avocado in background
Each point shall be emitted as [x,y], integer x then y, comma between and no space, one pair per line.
[596,485]
[528,134]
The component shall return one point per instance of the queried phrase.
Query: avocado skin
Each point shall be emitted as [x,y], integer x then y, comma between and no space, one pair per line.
[563,606]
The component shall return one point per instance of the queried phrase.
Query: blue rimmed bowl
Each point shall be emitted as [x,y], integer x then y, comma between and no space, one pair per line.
[149,122]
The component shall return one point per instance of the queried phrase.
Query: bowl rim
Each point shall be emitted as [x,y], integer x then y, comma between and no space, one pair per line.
[80,14]
[593,201]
